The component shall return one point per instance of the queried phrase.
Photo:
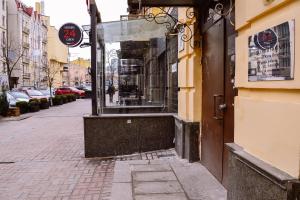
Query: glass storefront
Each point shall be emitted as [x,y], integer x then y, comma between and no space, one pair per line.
[136,68]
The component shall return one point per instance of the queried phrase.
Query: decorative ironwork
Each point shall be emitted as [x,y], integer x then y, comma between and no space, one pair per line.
[173,25]
[220,10]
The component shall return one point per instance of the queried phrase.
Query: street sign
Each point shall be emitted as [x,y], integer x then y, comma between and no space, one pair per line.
[70,34]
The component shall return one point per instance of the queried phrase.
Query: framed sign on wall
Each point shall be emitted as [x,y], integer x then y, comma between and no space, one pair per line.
[271,53]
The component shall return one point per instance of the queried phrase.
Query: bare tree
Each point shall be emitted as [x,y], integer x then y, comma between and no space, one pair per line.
[110,56]
[51,71]
[12,54]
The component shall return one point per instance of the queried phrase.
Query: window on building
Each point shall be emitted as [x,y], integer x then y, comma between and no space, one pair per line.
[3,38]
[3,21]
[3,4]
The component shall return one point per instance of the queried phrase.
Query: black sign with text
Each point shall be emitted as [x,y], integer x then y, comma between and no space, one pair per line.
[70,34]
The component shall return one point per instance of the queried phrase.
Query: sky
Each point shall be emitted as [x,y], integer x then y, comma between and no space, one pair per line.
[63,11]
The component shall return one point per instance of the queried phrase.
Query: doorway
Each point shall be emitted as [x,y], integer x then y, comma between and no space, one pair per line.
[218,96]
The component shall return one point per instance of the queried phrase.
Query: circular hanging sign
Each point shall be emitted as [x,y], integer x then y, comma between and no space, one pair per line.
[266,39]
[70,34]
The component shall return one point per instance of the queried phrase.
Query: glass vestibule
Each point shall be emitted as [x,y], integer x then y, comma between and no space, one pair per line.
[136,67]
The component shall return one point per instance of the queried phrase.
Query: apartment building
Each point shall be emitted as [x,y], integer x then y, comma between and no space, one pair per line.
[26,45]
[38,49]
[57,55]
[3,34]
[18,42]
[78,75]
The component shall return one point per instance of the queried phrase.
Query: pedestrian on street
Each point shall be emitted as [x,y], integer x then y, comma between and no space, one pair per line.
[111,91]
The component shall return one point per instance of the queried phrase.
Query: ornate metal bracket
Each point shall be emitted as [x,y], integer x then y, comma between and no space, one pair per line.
[173,25]
[219,9]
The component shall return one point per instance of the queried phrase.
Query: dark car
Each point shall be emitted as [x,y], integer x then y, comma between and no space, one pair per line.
[70,90]
[86,89]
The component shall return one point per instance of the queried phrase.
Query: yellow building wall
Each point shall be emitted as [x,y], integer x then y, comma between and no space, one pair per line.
[267,122]
[57,53]
[82,62]
[56,50]
[189,76]
[56,68]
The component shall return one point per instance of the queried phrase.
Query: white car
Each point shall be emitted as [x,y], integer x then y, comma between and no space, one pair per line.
[13,97]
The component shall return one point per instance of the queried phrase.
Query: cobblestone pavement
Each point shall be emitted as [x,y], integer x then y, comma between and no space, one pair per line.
[42,157]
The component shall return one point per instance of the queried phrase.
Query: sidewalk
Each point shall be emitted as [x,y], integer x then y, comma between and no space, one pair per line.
[164,178]
[19,118]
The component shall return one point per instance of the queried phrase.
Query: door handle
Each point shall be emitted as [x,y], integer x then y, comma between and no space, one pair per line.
[222,107]
[218,107]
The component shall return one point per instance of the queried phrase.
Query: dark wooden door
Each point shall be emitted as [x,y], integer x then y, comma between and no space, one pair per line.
[212,140]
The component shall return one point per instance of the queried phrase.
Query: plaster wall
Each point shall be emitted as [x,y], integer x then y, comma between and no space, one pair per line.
[267,112]
[189,74]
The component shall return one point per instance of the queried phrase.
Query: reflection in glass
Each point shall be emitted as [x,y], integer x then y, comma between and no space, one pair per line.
[136,64]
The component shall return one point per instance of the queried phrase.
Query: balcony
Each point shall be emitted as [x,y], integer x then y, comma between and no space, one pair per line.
[26,30]
[26,75]
[26,45]
[26,60]
[45,53]
[45,40]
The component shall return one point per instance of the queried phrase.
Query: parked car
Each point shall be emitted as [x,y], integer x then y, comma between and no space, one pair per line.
[70,90]
[15,96]
[34,94]
[11,100]
[86,89]
[46,92]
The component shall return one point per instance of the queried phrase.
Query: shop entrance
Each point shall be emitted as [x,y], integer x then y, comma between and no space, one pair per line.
[218,93]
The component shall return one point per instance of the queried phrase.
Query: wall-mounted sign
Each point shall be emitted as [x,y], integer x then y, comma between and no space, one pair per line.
[272,53]
[70,34]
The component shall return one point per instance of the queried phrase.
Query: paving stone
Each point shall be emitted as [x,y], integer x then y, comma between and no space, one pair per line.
[157,187]
[48,151]
[176,196]
[197,182]
[122,176]
[154,176]
[147,168]
[121,191]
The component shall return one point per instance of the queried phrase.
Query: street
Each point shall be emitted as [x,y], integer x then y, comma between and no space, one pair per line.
[42,157]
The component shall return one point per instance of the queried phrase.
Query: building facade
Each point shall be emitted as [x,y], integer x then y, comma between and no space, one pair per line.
[244,95]
[239,94]
[57,56]
[3,38]
[78,75]
[82,62]
[26,45]
[18,43]
[38,49]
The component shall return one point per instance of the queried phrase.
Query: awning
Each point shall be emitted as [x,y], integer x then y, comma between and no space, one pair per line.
[134,30]
[164,3]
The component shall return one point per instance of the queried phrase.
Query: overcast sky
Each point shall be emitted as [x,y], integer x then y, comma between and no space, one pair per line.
[63,11]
